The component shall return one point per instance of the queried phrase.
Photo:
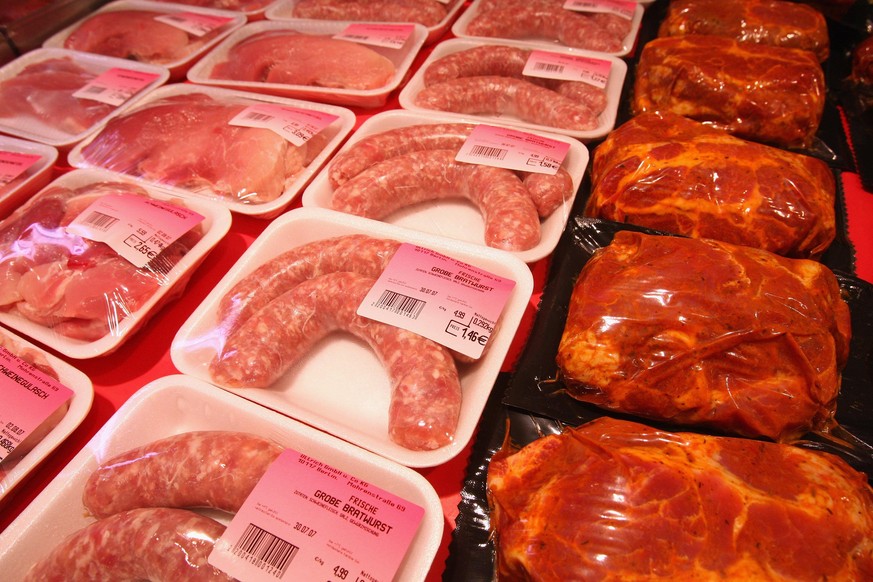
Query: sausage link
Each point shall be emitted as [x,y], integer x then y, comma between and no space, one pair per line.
[358,253]
[495,95]
[215,469]
[508,61]
[511,219]
[425,388]
[157,544]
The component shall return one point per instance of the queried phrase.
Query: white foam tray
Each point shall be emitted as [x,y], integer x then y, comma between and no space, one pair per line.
[618,72]
[35,177]
[31,128]
[402,59]
[215,225]
[337,132]
[186,404]
[351,400]
[284,10]
[14,472]
[456,219]
[197,49]
[459,29]
[251,15]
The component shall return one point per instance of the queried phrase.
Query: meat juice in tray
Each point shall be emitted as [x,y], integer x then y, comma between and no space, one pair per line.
[226,146]
[39,93]
[544,88]
[453,217]
[301,59]
[188,406]
[436,18]
[72,315]
[350,400]
[169,35]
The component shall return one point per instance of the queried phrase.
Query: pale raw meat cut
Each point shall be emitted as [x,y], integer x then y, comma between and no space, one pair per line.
[77,287]
[44,90]
[291,58]
[243,5]
[135,35]
[186,141]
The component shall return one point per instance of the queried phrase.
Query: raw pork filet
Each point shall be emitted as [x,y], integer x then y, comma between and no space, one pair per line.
[186,141]
[290,58]
[617,501]
[77,287]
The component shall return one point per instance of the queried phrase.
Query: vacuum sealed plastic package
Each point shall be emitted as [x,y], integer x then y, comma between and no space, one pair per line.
[619,500]
[698,332]
[670,173]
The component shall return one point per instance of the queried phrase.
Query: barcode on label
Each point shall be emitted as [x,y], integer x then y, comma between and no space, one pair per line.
[549,67]
[401,304]
[100,220]
[267,551]
[258,116]
[357,36]
[481,151]
[96,89]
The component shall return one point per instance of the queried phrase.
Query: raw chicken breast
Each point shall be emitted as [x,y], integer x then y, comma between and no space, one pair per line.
[290,58]
[186,141]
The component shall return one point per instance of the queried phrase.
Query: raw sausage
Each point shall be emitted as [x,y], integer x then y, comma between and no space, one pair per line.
[142,544]
[496,95]
[425,12]
[215,469]
[532,19]
[425,388]
[508,61]
[356,253]
[511,219]
[547,191]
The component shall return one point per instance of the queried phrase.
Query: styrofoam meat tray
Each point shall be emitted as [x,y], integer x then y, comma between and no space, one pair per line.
[456,219]
[340,386]
[215,225]
[177,67]
[402,59]
[186,404]
[13,472]
[32,179]
[29,127]
[336,132]
[284,10]
[251,14]
[459,29]
[618,72]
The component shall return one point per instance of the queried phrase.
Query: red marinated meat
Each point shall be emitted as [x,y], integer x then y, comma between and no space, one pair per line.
[290,58]
[673,174]
[44,90]
[616,501]
[769,94]
[136,35]
[768,22]
[703,333]
[186,141]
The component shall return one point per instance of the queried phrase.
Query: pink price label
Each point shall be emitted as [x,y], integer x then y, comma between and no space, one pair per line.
[513,149]
[194,23]
[295,125]
[29,398]
[392,36]
[115,86]
[448,301]
[621,8]
[14,164]
[136,227]
[307,520]
[550,65]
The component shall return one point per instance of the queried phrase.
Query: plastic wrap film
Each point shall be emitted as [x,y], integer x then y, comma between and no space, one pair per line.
[186,141]
[768,22]
[704,333]
[140,544]
[76,287]
[768,94]
[618,500]
[674,174]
